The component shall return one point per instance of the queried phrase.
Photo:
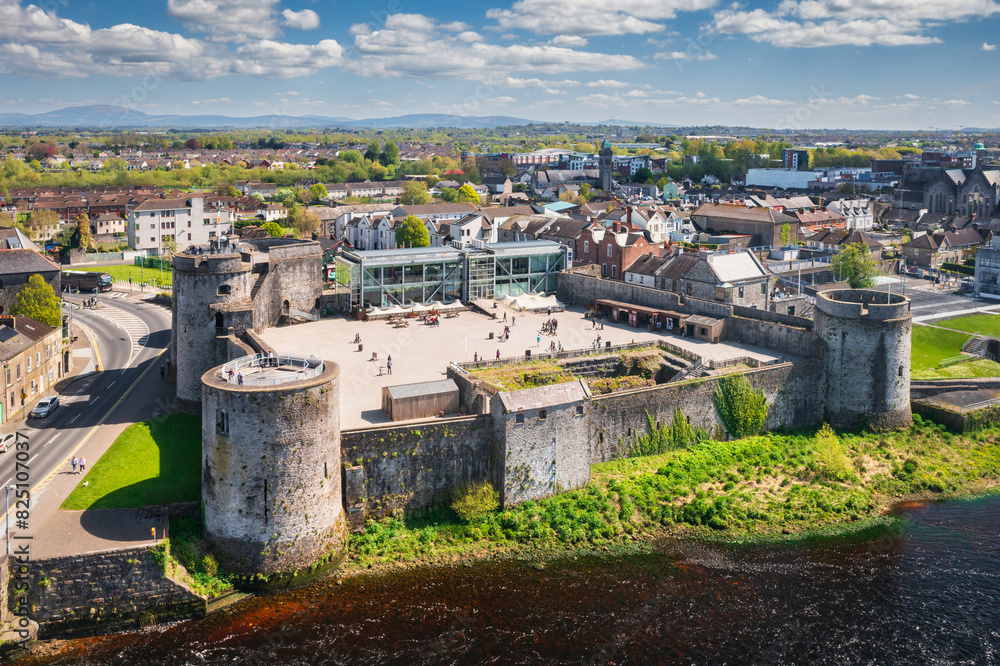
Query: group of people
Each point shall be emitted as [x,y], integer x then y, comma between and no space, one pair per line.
[549,326]
[239,377]
[80,462]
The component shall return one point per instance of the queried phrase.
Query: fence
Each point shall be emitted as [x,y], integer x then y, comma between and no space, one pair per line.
[102,257]
[307,369]
[142,286]
[573,353]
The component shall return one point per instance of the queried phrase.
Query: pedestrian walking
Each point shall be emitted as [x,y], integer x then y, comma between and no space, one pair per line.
[239,379]
[74,462]
[560,346]
[83,464]
[505,316]
[475,357]
[538,340]
[498,354]
[163,371]
[388,365]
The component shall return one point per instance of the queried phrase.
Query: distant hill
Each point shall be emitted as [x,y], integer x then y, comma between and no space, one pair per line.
[117,117]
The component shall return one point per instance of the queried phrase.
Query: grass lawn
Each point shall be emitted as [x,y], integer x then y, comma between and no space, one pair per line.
[930,346]
[138,275]
[150,463]
[982,324]
[933,345]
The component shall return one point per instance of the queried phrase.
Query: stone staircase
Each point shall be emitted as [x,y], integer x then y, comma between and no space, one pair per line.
[976,345]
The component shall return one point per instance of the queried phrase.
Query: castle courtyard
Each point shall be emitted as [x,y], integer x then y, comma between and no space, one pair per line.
[422,352]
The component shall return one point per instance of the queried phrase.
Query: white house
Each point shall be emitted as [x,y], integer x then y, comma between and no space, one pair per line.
[858,213]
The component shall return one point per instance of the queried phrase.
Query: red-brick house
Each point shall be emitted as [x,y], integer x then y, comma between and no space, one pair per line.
[614,248]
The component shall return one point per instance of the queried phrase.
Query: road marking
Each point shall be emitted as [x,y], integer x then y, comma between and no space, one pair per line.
[74,418]
[41,485]
[111,384]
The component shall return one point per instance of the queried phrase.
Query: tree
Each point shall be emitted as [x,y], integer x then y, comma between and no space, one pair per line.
[38,300]
[449,194]
[285,195]
[585,192]
[785,233]
[113,165]
[83,231]
[302,195]
[413,233]
[318,191]
[507,167]
[414,194]
[466,194]
[303,220]
[642,175]
[855,265]
[374,150]
[273,229]
[42,223]
[192,144]
[390,154]
[231,191]
[40,150]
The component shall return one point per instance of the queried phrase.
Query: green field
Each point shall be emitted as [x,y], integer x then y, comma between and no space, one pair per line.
[152,462]
[981,324]
[137,274]
[931,345]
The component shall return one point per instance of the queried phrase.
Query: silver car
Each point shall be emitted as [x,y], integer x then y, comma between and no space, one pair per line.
[45,407]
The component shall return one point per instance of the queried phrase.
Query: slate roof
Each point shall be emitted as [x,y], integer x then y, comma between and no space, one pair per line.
[24,261]
[545,396]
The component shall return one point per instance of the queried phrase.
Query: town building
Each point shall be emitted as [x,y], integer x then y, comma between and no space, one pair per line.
[31,354]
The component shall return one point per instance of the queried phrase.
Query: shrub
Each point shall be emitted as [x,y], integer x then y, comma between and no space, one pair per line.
[742,409]
[830,454]
[475,501]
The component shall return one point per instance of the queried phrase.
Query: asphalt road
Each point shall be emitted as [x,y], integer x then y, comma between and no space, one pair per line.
[125,351]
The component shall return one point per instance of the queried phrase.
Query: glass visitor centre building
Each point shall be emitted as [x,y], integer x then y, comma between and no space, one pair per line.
[424,275]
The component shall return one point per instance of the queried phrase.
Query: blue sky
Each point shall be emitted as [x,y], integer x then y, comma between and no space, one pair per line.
[789,64]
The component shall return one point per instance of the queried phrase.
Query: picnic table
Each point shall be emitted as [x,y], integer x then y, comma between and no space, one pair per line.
[402,323]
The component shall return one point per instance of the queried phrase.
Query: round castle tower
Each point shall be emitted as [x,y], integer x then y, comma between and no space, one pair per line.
[866,336]
[271,463]
[207,292]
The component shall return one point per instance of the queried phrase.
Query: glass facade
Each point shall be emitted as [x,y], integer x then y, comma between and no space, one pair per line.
[383,278]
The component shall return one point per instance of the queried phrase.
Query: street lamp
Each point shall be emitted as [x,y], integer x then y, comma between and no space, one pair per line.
[6,517]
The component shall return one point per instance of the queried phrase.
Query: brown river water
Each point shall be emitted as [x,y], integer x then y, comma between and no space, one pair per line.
[921,590]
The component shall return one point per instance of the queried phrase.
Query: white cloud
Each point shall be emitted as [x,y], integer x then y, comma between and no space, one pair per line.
[760,100]
[988,47]
[218,100]
[817,23]
[417,46]
[572,41]
[306,19]
[514,82]
[41,44]
[592,17]
[276,60]
[227,20]
[686,56]
[911,96]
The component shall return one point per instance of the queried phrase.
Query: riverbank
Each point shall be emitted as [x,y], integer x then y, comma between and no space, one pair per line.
[772,487]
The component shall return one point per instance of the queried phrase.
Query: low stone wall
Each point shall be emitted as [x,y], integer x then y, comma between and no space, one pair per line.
[794,393]
[771,335]
[97,593]
[410,466]
[958,420]
[583,290]
[773,317]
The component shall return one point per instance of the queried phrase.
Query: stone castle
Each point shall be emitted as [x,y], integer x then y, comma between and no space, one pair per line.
[282,485]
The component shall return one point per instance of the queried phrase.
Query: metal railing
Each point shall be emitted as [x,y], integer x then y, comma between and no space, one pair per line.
[302,368]
[589,351]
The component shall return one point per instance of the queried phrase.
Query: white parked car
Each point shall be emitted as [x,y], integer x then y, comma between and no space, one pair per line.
[7,442]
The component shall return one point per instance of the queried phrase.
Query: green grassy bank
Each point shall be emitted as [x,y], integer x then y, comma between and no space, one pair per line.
[758,487]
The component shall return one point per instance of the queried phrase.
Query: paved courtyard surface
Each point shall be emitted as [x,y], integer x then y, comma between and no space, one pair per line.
[421,353]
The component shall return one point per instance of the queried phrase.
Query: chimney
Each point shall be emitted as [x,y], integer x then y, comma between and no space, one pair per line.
[628,214]
[7,320]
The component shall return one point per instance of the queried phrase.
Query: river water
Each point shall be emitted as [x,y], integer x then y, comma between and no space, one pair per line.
[925,589]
